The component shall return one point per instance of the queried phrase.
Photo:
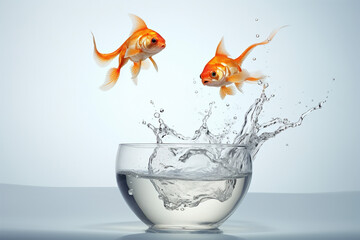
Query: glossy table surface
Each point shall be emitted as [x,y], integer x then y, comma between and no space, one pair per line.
[100,213]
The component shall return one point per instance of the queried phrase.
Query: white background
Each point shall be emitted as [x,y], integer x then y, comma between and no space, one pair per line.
[58,129]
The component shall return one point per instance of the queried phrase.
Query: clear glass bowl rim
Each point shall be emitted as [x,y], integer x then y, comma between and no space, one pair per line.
[181,145]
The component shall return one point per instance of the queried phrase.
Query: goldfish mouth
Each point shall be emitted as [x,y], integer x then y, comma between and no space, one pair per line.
[206,82]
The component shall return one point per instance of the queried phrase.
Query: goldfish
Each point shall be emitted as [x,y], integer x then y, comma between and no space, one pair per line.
[223,71]
[142,44]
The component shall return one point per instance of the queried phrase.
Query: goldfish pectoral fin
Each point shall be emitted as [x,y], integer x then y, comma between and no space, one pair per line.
[131,52]
[226,91]
[111,78]
[135,69]
[220,50]
[238,77]
[154,63]
[239,86]
[138,23]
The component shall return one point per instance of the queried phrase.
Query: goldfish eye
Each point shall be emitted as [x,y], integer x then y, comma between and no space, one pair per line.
[213,74]
[154,40]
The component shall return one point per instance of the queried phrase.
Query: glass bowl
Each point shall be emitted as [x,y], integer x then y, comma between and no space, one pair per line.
[193,187]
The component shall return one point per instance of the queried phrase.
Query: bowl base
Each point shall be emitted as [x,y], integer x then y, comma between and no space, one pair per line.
[182,229]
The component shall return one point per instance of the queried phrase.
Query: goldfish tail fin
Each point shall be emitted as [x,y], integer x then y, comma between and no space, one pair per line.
[247,51]
[104,59]
[111,79]
[226,91]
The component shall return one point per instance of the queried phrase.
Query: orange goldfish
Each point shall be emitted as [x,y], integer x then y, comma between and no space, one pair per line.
[143,43]
[222,71]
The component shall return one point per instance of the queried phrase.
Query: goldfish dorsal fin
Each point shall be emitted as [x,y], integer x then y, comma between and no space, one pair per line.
[138,23]
[220,50]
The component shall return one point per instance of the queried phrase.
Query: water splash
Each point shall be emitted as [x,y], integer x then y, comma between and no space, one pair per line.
[234,163]
[249,135]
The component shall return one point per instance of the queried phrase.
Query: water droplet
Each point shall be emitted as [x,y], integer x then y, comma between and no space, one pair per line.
[333,79]
[194,82]
[161,110]
[254,59]
[156,115]
[130,192]
[182,209]
[234,132]
[299,102]
[196,91]
[306,106]
[227,105]
[260,82]
[257,35]
[287,145]
[144,122]
[235,117]
[256,19]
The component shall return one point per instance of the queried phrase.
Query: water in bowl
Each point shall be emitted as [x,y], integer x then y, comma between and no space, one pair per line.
[182,203]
